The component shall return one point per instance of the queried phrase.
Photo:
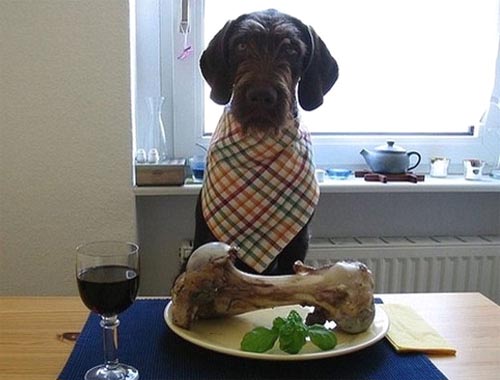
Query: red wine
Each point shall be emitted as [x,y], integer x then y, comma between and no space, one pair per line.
[108,290]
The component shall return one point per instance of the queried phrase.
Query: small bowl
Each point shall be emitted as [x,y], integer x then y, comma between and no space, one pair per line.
[338,173]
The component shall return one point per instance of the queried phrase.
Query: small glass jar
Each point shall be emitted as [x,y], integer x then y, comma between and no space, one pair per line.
[439,167]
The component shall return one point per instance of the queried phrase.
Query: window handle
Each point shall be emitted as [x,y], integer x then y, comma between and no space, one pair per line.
[184,25]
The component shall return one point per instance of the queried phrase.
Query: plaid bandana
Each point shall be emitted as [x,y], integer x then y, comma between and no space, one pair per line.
[259,192]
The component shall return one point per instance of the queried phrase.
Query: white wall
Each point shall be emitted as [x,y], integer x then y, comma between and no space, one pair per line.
[66,137]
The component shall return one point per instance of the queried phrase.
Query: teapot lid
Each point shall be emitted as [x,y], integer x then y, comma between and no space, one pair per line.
[390,147]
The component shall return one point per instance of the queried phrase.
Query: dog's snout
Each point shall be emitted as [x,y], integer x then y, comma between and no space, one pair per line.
[264,96]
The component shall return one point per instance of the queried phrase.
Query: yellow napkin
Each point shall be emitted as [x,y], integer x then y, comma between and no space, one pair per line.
[408,332]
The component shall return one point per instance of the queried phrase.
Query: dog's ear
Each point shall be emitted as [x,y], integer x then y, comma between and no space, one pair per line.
[215,67]
[319,75]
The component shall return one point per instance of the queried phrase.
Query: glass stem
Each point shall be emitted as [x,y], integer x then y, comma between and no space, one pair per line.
[110,334]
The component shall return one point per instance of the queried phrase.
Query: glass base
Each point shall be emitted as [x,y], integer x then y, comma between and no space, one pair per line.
[119,372]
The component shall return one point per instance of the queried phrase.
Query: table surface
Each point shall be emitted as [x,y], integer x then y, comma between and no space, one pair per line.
[31,348]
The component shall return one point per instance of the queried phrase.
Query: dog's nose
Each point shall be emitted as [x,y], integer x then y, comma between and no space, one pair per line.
[264,96]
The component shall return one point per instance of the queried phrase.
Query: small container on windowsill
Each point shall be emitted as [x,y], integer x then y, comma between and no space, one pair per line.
[338,173]
[165,173]
[473,169]
[439,167]
[197,165]
[320,175]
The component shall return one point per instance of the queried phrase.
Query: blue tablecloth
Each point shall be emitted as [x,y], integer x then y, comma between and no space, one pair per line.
[148,344]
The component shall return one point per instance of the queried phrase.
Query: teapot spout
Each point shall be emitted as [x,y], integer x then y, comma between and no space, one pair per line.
[367,155]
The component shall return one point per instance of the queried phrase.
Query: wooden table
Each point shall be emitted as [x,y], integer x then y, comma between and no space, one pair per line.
[31,349]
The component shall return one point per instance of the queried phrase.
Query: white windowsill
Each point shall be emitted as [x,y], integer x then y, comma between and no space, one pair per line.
[452,184]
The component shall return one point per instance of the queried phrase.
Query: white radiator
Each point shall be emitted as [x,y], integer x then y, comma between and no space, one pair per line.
[420,264]
[415,264]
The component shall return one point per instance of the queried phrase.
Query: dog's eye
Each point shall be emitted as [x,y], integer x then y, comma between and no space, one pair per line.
[290,50]
[241,47]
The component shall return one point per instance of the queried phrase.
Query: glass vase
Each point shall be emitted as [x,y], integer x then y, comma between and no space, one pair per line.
[157,138]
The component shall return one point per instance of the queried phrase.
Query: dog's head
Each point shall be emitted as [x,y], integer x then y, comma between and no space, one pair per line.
[257,61]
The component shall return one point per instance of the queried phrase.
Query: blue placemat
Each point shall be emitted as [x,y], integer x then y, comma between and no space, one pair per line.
[148,344]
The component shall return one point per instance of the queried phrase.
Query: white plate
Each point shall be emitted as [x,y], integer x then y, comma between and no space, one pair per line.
[224,335]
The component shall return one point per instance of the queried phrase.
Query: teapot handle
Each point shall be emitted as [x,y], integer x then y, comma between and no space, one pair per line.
[419,158]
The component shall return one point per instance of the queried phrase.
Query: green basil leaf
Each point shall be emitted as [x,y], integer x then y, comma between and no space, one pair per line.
[295,317]
[260,339]
[278,323]
[322,337]
[292,337]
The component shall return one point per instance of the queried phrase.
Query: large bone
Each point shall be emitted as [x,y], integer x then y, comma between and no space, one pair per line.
[213,287]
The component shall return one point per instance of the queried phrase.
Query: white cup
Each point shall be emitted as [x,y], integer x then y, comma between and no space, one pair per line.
[473,169]
[439,167]
[320,175]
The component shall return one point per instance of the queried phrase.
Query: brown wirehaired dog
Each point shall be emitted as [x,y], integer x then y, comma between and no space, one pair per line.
[258,65]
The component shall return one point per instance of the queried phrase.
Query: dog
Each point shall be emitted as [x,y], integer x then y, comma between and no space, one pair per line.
[259,191]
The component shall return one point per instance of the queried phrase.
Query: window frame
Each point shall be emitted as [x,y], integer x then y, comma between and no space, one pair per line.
[159,40]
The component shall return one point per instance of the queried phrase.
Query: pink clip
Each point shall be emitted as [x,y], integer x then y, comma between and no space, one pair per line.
[186,53]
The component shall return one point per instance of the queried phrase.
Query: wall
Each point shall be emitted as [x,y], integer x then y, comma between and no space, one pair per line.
[66,138]
[165,221]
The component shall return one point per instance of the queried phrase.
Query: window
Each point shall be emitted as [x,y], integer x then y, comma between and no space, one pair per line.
[421,72]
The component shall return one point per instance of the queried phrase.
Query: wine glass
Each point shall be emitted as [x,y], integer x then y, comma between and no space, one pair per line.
[107,274]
